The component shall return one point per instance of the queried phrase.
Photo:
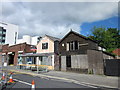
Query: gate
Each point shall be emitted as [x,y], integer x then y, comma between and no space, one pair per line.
[112,67]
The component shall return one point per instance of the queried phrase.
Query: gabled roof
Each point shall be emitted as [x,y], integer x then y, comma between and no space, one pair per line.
[77,35]
[53,38]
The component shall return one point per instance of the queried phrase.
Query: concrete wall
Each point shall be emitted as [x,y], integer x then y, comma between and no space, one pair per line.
[11,29]
[57,64]
[95,60]
[34,40]
[63,63]
[79,61]
[28,39]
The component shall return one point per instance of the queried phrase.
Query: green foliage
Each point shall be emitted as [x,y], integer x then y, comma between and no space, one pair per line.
[108,38]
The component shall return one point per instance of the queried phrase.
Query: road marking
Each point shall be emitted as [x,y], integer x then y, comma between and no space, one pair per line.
[22,82]
[45,78]
[60,78]
[85,84]
[68,80]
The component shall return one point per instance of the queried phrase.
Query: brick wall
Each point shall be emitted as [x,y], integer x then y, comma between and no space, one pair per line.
[26,48]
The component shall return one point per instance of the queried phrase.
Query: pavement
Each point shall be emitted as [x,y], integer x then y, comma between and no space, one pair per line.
[82,79]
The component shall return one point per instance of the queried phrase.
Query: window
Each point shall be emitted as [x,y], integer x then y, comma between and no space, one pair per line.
[3,38]
[0,37]
[0,32]
[4,31]
[73,45]
[76,45]
[67,47]
[44,45]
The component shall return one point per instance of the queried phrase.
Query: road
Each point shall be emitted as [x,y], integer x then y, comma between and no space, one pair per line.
[24,81]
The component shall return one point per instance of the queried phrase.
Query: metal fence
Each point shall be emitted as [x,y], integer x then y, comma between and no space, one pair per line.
[112,67]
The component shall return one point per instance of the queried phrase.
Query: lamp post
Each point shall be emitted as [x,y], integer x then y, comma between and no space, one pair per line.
[3,61]
[0,57]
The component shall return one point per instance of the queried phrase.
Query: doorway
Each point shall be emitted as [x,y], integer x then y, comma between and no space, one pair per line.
[68,61]
[11,58]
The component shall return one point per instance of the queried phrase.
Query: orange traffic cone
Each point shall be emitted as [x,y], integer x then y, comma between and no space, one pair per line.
[3,76]
[33,85]
[11,80]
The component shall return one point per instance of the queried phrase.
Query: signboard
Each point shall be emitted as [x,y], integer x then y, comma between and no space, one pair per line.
[5,64]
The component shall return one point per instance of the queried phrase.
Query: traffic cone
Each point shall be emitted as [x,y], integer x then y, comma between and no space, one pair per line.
[3,76]
[10,80]
[33,85]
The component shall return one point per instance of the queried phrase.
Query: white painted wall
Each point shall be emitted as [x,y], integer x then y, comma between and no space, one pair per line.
[28,39]
[19,41]
[34,40]
[11,29]
[53,60]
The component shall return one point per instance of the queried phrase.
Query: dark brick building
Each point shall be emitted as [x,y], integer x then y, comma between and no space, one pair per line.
[11,53]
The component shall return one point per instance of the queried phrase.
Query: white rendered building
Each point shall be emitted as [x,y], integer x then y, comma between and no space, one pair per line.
[8,33]
[29,40]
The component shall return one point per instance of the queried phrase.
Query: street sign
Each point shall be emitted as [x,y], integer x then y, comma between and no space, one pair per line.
[5,64]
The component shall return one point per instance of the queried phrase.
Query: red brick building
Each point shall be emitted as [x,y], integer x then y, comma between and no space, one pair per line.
[117,52]
[11,52]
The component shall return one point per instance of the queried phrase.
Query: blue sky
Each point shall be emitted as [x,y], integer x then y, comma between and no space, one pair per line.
[57,18]
[107,23]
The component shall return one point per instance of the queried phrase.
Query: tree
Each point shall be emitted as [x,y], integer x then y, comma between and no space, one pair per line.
[108,38]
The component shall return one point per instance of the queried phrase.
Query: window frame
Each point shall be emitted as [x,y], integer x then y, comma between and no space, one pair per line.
[46,45]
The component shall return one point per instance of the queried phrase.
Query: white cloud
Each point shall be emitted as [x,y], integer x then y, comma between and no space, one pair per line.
[55,18]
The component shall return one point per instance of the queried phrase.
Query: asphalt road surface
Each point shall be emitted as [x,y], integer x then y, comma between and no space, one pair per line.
[24,81]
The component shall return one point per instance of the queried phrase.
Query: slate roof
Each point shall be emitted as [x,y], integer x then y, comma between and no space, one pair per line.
[53,38]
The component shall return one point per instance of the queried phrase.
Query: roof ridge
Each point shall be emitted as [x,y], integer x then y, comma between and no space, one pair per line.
[52,36]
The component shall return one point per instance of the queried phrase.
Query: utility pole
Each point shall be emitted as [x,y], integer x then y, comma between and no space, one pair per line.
[3,63]
[0,58]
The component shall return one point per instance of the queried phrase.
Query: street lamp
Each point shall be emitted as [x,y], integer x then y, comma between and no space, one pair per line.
[3,64]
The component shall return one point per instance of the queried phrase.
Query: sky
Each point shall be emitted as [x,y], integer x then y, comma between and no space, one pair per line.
[57,18]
